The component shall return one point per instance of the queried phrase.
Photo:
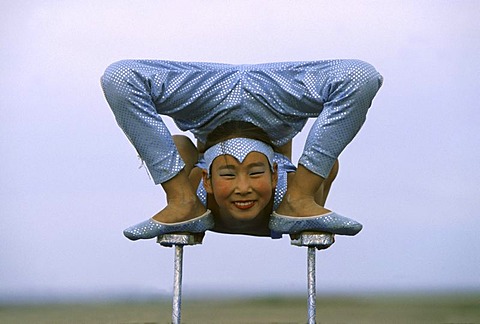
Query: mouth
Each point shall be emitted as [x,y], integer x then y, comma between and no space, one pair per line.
[244,204]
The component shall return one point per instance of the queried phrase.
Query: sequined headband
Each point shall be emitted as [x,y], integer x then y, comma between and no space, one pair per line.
[239,148]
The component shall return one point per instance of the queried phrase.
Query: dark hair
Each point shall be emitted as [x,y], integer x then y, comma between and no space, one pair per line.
[234,129]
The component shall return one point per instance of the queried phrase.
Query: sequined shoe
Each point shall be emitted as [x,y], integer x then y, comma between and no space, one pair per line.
[152,228]
[330,223]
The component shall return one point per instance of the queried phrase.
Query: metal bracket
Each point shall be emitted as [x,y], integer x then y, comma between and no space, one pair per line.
[319,240]
[169,240]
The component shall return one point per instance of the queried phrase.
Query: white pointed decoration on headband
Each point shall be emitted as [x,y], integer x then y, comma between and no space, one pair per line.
[239,148]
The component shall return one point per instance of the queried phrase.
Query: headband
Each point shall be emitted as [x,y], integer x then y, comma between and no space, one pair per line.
[239,148]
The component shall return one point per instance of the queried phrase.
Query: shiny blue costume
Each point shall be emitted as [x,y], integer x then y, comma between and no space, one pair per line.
[277,97]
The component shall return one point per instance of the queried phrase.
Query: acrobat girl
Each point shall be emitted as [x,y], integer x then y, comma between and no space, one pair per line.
[239,178]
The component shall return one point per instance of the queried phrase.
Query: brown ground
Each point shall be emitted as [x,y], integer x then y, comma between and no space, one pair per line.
[433,309]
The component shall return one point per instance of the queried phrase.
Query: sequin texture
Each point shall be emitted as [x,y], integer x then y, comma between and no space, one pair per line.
[330,222]
[239,148]
[277,97]
[151,228]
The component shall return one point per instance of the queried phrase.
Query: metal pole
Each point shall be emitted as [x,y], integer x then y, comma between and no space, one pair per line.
[177,285]
[178,240]
[312,241]
[312,295]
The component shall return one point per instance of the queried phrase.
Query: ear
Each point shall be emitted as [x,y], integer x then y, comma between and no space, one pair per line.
[207,182]
[275,175]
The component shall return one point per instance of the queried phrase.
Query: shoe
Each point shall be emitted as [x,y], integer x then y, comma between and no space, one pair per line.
[330,223]
[152,228]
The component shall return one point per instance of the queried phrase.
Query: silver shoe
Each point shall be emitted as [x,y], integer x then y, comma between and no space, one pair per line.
[152,228]
[330,223]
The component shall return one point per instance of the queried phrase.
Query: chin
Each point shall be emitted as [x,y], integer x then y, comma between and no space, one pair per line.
[244,217]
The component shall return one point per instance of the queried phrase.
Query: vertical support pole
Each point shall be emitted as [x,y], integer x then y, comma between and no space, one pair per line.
[178,240]
[177,285]
[312,293]
[313,241]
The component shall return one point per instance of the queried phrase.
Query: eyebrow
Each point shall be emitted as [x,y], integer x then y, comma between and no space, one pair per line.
[226,166]
[256,164]
[250,165]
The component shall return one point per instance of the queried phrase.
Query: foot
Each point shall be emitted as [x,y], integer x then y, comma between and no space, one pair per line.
[330,223]
[152,228]
[180,211]
[300,214]
[179,215]
[301,206]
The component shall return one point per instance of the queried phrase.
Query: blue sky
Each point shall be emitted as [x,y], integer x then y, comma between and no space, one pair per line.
[70,180]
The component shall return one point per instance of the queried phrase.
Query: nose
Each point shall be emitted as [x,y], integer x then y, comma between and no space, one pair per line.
[243,186]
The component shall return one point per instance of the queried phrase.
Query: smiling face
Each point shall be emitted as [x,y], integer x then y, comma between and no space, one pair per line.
[241,190]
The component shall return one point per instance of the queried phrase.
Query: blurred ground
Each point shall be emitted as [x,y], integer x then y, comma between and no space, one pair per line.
[385,309]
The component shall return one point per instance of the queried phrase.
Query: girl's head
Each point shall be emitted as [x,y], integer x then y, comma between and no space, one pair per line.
[239,148]
[241,173]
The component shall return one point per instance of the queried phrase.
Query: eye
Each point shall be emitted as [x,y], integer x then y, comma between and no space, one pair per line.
[227,174]
[257,172]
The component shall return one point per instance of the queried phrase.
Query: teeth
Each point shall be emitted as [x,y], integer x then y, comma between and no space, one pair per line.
[242,203]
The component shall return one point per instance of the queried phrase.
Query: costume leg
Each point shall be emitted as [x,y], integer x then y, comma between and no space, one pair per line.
[347,89]
[127,87]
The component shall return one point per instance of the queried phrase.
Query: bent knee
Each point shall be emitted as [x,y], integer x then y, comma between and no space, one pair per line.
[365,75]
[116,76]
[361,74]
